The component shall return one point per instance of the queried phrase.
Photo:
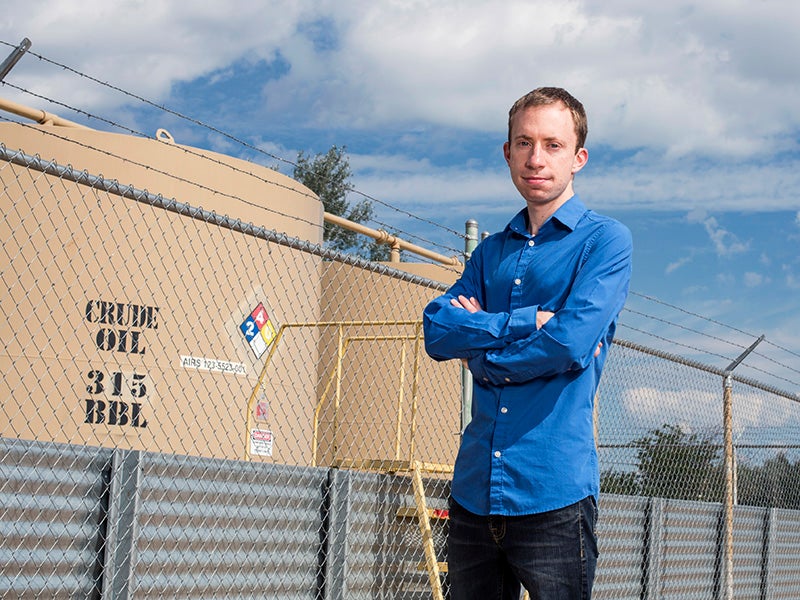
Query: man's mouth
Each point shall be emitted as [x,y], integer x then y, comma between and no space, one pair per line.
[535,180]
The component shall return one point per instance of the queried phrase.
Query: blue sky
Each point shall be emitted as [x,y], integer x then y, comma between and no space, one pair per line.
[694,118]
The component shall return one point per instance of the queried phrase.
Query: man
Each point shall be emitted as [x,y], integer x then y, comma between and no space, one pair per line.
[532,317]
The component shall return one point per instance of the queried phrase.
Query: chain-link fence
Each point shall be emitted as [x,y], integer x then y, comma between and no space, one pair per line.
[198,407]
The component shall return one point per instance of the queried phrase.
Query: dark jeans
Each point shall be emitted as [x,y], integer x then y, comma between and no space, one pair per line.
[553,554]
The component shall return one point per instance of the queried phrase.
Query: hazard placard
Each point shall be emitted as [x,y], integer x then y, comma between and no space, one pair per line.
[259,330]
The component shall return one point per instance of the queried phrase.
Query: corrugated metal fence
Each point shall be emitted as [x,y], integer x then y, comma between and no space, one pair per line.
[232,414]
[80,522]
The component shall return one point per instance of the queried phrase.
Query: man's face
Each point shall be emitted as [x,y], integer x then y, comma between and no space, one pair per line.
[541,154]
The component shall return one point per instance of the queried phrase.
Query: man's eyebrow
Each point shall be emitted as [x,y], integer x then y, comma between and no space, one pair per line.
[552,138]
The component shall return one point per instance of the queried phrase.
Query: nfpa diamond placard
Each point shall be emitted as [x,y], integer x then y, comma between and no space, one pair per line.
[258,330]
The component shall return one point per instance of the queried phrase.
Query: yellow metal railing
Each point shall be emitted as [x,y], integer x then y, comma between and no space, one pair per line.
[334,381]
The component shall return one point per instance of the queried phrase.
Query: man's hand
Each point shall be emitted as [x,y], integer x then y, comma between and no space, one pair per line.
[471,305]
[542,317]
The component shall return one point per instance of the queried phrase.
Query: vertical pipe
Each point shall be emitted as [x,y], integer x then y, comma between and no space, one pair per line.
[470,243]
[398,432]
[471,237]
[415,390]
[339,358]
[727,418]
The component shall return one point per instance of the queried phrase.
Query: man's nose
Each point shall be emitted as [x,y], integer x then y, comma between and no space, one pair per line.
[535,156]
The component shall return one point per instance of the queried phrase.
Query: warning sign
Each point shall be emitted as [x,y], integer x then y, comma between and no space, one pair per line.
[262,411]
[258,330]
[261,442]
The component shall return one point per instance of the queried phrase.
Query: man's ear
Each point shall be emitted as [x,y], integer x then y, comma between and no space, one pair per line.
[507,151]
[581,158]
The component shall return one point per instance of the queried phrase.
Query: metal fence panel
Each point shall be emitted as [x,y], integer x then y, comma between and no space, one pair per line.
[692,552]
[51,519]
[621,535]
[227,529]
[783,563]
[749,556]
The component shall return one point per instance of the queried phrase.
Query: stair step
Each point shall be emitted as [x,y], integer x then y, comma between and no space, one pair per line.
[442,567]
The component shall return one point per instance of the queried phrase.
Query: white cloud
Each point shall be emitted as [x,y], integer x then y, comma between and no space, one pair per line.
[140,46]
[677,265]
[679,84]
[697,215]
[686,406]
[695,290]
[725,242]
[697,409]
[674,78]
[791,279]
[726,279]
[752,279]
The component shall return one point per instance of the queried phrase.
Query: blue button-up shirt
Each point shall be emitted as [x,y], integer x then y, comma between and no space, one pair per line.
[530,447]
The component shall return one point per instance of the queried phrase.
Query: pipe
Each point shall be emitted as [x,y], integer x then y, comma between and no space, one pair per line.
[34,114]
[382,237]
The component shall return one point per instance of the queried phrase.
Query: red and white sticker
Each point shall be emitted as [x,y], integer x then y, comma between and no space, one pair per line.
[261,442]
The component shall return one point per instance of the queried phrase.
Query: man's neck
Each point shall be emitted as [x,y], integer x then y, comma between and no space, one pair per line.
[539,213]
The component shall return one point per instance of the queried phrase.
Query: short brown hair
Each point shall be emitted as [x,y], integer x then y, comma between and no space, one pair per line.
[550,95]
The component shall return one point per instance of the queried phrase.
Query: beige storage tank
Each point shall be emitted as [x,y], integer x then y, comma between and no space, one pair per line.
[124,325]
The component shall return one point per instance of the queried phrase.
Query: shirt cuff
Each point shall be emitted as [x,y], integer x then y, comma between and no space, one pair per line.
[522,322]
[476,366]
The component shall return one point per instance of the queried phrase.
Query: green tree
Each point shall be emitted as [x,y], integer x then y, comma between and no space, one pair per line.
[328,176]
[773,484]
[617,482]
[676,464]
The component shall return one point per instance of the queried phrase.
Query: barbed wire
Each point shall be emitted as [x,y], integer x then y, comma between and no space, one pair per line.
[710,320]
[205,126]
[682,327]
[184,180]
[382,225]
[408,235]
[706,352]
[674,342]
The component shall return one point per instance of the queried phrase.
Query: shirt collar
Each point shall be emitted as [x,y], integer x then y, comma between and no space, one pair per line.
[568,215]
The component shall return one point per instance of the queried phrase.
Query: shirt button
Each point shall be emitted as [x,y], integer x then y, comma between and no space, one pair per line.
[517,281]
[507,379]
[486,379]
[504,410]
[531,242]
[497,454]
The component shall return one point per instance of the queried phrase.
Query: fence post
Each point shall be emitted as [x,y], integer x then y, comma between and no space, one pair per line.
[767,554]
[470,243]
[727,425]
[335,530]
[653,548]
[121,537]
[13,58]
[730,493]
